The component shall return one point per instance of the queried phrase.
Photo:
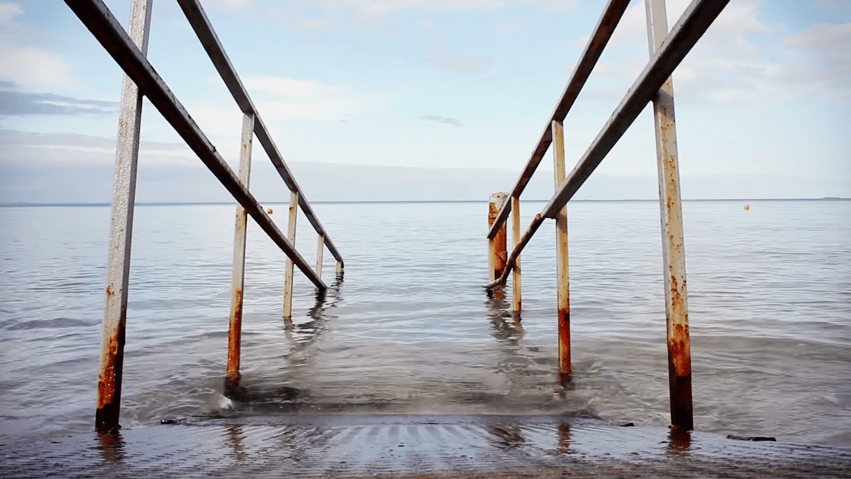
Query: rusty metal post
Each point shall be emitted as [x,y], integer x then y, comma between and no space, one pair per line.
[238,278]
[121,233]
[563,283]
[673,251]
[288,287]
[497,254]
[515,213]
[320,250]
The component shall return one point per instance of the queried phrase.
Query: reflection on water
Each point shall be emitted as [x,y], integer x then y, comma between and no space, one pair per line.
[679,441]
[235,439]
[111,446]
[506,436]
[564,439]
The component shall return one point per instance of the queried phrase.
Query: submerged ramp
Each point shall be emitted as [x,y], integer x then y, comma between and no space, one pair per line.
[419,446]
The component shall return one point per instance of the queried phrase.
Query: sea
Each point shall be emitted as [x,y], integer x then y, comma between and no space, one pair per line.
[409,328]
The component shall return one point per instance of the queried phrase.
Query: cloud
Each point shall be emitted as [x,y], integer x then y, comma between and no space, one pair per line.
[33,68]
[831,44]
[298,99]
[739,59]
[442,120]
[19,103]
[826,3]
[323,15]
[8,11]
[25,65]
[384,7]
[16,139]
[460,64]
[229,4]
[278,100]
[513,25]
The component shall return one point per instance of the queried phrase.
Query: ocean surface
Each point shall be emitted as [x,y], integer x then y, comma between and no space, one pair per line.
[409,329]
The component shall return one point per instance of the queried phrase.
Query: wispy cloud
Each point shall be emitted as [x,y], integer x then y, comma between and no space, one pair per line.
[27,65]
[321,15]
[826,3]
[229,4]
[8,11]
[741,58]
[442,120]
[17,139]
[20,103]
[384,7]
[292,98]
[831,44]
[459,64]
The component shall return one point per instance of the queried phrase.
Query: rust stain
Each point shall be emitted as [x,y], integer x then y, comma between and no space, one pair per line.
[681,402]
[679,351]
[109,382]
[234,340]
[237,303]
[109,292]
[564,339]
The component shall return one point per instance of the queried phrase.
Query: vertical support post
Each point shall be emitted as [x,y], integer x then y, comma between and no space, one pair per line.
[121,233]
[563,284]
[497,255]
[238,278]
[515,214]
[288,286]
[673,251]
[320,250]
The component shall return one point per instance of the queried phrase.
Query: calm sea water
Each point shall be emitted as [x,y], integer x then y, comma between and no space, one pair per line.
[410,329]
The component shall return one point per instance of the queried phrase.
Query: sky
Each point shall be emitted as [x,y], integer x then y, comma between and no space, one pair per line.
[429,100]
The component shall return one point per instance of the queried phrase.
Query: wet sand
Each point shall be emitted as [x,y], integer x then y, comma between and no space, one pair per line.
[414,446]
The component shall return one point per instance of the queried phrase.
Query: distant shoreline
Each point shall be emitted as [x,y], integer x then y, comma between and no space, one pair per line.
[213,203]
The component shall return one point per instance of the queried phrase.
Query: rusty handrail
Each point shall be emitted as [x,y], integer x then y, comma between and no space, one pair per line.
[204,30]
[106,29]
[685,33]
[653,84]
[593,49]
[142,80]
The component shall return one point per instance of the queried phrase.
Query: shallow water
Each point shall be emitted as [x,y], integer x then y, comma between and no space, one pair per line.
[410,330]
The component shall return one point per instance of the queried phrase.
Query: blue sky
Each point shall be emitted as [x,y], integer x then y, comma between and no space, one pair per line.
[442,99]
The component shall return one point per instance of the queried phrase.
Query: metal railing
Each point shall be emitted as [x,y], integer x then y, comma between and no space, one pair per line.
[667,50]
[129,52]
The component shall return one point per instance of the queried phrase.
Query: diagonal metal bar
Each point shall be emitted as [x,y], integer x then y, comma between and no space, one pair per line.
[691,26]
[204,30]
[515,254]
[593,49]
[108,31]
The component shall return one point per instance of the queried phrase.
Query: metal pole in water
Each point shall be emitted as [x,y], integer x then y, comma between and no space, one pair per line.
[320,250]
[121,232]
[288,287]
[563,283]
[673,251]
[497,254]
[515,213]
[238,279]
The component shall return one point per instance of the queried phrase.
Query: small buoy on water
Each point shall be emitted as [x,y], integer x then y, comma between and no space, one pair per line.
[269,211]
[747,207]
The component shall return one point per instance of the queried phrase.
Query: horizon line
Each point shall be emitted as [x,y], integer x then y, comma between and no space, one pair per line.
[222,203]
